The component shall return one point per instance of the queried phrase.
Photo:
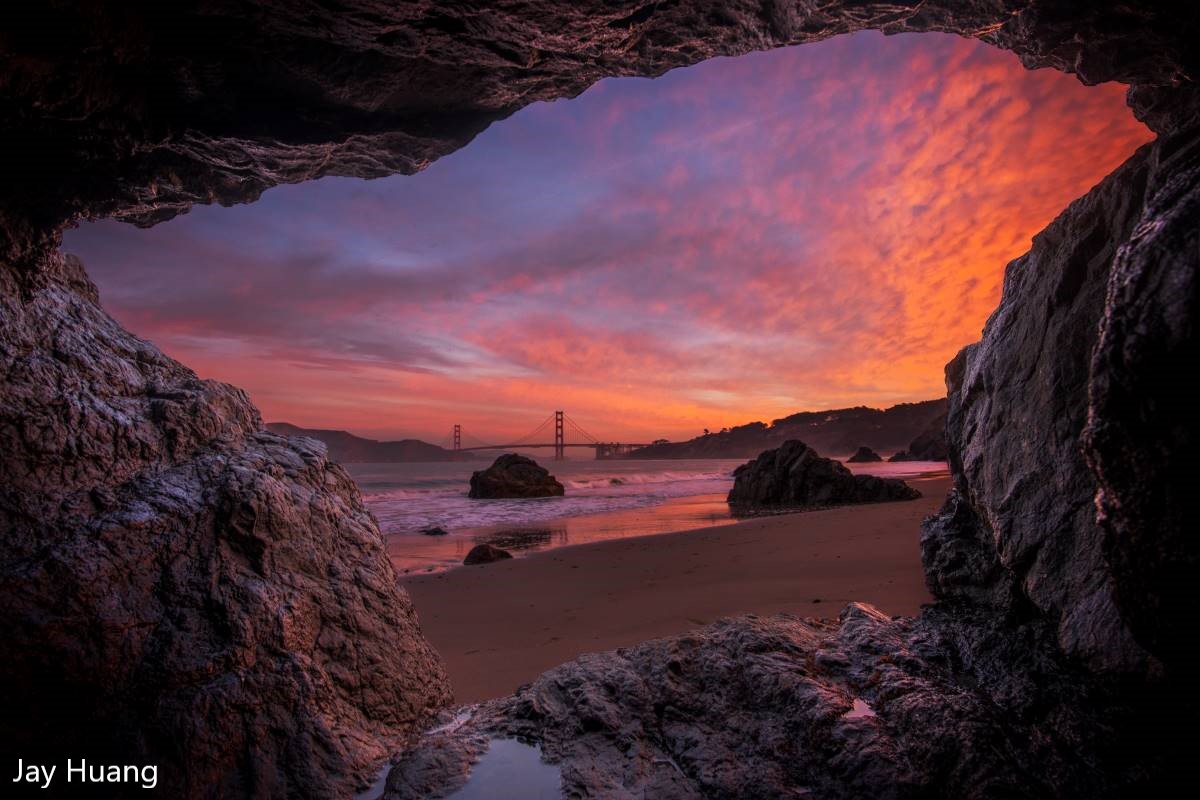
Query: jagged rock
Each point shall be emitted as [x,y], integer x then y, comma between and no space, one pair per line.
[1015,444]
[760,707]
[514,476]
[486,554]
[864,455]
[1141,417]
[794,476]
[178,587]
[930,445]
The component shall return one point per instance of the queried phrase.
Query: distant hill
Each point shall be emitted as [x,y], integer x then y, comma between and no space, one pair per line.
[348,448]
[834,433]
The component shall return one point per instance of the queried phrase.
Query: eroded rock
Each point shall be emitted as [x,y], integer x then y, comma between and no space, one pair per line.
[514,476]
[761,707]
[794,476]
[161,557]
[180,588]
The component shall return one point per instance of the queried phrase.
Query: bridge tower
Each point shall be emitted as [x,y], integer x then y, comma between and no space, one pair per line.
[559,439]
[458,437]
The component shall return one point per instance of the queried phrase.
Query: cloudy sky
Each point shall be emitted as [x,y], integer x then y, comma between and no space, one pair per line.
[802,229]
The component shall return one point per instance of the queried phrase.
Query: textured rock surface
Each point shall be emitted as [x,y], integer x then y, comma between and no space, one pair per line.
[762,708]
[1058,651]
[1018,407]
[486,554]
[178,587]
[1141,436]
[139,110]
[513,475]
[794,476]
[864,455]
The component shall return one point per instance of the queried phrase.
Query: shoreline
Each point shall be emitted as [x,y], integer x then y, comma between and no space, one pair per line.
[536,531]
[500,625]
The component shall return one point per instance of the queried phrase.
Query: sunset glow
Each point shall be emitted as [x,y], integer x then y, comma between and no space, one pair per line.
[808,228]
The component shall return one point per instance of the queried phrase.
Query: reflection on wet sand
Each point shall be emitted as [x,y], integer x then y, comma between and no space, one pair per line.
[412,554]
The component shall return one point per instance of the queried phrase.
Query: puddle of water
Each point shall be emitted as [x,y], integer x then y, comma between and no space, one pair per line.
[511,770]
[859,710]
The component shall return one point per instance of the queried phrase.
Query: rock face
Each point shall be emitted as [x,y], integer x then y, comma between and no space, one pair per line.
[179,587]
[514,476]
[794,476]
[930,445]
[763,707]
[864,455]
[110,110]
[1024,493]
[486,554]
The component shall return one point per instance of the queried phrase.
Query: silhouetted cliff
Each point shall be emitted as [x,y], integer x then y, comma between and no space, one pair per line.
[834,433]
[346,448]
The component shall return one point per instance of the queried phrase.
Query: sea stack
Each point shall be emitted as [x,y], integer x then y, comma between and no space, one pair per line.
[795,476]
[864,455]
[514,476]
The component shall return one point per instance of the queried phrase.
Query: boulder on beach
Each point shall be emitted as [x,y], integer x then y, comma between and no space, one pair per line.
[435,531]
[795,476]
[514,476]
[864,455]
[485,554]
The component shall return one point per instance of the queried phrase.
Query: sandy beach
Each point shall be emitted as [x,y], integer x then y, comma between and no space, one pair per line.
[500,625]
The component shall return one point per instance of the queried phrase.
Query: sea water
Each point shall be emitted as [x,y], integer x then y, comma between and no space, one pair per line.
[604,500]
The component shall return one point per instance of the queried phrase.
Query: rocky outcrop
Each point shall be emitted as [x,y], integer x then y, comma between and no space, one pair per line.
[179,587]
[1140,438]
[1025,494]
[866,707]
[795,477]
[864,455]
[486,554]
[514,476]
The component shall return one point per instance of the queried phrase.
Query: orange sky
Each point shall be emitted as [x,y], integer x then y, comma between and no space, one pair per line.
[807,228]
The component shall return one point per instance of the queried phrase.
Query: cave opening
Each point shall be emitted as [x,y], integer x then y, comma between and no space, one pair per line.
[811,228]
[200,564]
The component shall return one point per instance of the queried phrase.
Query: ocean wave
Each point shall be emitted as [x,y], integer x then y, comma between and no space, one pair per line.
[642,479]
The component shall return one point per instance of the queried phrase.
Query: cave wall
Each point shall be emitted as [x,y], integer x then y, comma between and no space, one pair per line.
[181,585]
[139,109]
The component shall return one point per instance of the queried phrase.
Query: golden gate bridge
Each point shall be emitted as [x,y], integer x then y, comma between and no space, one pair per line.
[556,431]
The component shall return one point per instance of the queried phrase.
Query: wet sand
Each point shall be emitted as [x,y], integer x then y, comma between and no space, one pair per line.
[501,625]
